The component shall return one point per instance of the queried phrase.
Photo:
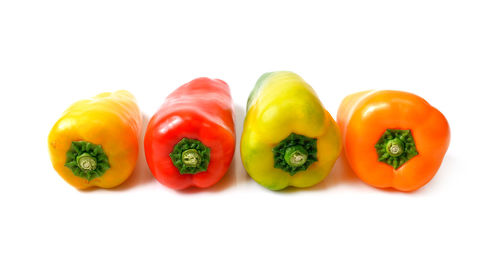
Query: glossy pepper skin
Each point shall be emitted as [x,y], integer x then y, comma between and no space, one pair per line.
[95,142]
[190,140]
[288,139]
[393,139]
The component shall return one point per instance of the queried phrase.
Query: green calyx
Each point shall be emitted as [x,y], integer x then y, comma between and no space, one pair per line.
[396,147]
[295,153]
[86,160]
[190,156]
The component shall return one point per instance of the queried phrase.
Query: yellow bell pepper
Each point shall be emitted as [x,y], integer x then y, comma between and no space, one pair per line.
[95,142]
[288,136]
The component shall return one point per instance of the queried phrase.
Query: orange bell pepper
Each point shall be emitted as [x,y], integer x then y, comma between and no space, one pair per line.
[393,139]
[96,141]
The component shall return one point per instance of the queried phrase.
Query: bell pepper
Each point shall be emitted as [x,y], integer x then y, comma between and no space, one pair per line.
[288,139]
[393,139]
[95,142]
[190,140]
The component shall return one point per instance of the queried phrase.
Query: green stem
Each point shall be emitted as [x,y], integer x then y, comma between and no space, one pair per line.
[295,153]
[86,160]
[396,147]
[190,156]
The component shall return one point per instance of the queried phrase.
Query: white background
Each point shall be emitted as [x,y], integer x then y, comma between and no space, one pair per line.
[53,53]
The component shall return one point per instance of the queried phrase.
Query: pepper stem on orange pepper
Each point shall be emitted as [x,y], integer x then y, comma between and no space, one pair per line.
[396,147]
[190,156]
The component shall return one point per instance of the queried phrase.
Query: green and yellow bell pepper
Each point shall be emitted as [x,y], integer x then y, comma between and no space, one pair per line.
[289,139]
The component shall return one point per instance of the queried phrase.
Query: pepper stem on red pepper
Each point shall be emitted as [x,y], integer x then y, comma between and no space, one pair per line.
[396,147]
[86,160]
[190,156]
[295,153]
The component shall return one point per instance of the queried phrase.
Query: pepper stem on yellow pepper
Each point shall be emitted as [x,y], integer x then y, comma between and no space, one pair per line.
[86,160]
[295,153]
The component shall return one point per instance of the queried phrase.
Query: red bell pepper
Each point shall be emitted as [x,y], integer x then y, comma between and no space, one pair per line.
[190,140]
